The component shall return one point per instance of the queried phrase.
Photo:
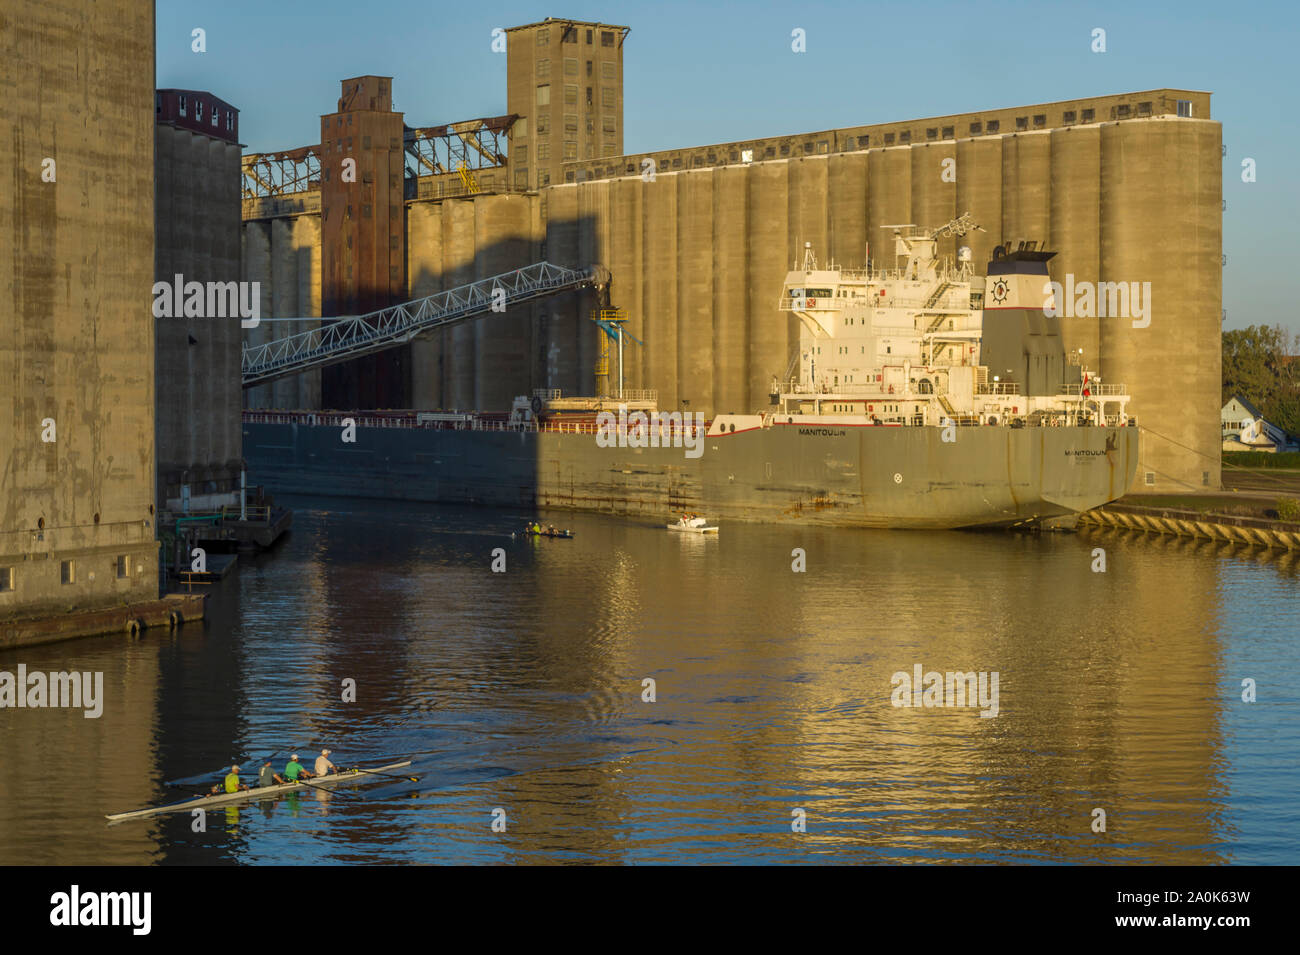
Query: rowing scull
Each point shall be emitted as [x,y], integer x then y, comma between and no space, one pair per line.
[258,792]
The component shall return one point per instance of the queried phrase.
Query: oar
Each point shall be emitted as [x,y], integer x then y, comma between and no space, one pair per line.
[220,773]
[414,779]
[324,790]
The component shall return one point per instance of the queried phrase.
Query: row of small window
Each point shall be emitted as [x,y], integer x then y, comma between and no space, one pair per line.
[608,96]
[570,35]
[608,68]
[570,151]
[608,124]
[67,572]
[861,406]
[1068,118]
[183,105]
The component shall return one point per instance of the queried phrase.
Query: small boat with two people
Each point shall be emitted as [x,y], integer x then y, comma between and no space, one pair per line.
[693,524]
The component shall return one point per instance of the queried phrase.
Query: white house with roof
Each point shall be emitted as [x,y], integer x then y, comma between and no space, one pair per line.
[1245,429]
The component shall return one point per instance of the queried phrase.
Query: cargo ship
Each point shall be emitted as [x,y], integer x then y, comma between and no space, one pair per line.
[920,396]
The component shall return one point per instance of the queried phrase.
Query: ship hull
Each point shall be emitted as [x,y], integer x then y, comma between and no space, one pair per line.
[830,475]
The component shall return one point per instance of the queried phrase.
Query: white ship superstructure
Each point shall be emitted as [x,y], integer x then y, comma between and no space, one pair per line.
[907,345]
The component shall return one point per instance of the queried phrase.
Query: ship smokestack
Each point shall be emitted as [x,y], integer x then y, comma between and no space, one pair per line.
[1021,341]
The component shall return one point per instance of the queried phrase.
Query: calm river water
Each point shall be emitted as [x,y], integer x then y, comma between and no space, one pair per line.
[522,691]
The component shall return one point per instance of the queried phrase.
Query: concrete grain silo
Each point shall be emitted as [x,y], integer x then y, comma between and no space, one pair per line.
[728,298]
[1075,227]
[1161,183]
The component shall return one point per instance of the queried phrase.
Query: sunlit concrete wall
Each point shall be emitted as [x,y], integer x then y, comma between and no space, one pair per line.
[76,328]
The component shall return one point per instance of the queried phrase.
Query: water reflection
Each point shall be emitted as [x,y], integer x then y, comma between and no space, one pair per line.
[527,691]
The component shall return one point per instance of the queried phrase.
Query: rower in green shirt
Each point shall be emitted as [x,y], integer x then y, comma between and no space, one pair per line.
[295,770]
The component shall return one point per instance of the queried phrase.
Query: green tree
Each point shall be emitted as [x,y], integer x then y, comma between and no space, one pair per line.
[1257,365]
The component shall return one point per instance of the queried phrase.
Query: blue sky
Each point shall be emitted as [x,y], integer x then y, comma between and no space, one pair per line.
[707,72]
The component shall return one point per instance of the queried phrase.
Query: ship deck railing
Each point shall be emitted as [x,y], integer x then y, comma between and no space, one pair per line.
[667,431]
[1094,388]
[584,425]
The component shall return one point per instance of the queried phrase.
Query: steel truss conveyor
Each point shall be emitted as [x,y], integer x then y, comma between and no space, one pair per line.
[342,339]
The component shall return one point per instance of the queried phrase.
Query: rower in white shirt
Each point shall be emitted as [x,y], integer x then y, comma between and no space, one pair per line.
[323,764]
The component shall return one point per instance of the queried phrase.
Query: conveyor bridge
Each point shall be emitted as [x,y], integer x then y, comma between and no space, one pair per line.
[345,338]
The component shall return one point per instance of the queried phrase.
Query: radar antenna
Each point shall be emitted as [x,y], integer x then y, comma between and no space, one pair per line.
[957,227]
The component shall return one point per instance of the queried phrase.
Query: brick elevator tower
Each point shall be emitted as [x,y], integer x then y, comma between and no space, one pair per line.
[363,237]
